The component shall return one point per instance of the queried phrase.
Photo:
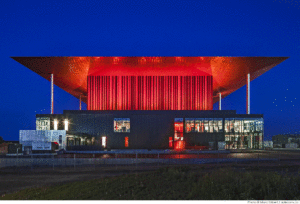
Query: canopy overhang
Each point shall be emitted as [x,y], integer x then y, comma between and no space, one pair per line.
[70,73]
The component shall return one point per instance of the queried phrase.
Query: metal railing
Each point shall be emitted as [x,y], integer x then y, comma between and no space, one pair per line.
[136,159]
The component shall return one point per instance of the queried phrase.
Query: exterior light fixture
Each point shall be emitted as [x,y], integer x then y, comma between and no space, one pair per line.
[55,124]
[66,125]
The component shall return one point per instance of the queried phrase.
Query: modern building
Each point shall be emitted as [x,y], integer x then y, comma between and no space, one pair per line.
[42,140]
[153,102]
[286,140]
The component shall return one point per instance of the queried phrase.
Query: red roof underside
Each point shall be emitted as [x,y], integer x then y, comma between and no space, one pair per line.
[70,73]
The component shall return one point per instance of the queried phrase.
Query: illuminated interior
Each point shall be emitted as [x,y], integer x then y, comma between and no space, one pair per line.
[122,125]
[243,133]
[179,143]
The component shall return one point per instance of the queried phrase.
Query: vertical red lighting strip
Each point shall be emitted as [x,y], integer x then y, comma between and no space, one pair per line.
[95,80]
[210,94]
[100,93]
[153,86]
[90,93]
[165,91]
[144,92]
[104,93]
[88,96]
[154,92]
[169,93]
[191,93]
[100,89]
[194,93]
[94,85]
[137,93]
[88,88]
[110,93]
[113,92]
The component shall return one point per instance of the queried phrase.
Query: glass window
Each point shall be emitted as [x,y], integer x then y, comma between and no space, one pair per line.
[247,125]
[259,125]
[229,125]
[206,127]
[216,127]
[210,125]
[237,125]
[43,123]
[189,125]
[199,124]
[252,125]
[220,124]
[178,129]
[122,125]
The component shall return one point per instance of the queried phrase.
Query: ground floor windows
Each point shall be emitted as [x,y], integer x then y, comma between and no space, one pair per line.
[240,133]
[243,125]
[121,124]
[203,125]
[189,125]
[244,141]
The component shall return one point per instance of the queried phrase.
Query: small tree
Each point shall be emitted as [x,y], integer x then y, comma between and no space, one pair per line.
[1,140]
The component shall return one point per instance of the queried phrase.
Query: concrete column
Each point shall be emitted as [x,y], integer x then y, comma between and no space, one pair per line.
[248,94]
[51,93]
[220,98]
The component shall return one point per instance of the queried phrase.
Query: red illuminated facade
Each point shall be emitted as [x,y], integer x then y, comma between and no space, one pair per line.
[150,92]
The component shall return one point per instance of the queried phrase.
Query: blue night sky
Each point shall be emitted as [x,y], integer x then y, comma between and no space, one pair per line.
[150,28]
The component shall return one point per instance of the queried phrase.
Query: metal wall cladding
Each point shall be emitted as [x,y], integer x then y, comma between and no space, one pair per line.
[28,137]
[41,145]
[150,92]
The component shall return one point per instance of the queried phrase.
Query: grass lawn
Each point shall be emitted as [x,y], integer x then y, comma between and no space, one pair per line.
[177,183]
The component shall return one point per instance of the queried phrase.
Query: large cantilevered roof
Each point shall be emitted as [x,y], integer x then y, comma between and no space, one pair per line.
[70,73]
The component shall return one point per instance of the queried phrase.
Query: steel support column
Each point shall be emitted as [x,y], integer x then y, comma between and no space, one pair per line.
[220,98]
[80,102]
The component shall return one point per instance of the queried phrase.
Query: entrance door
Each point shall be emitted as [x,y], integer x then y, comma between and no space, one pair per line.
[179,143]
